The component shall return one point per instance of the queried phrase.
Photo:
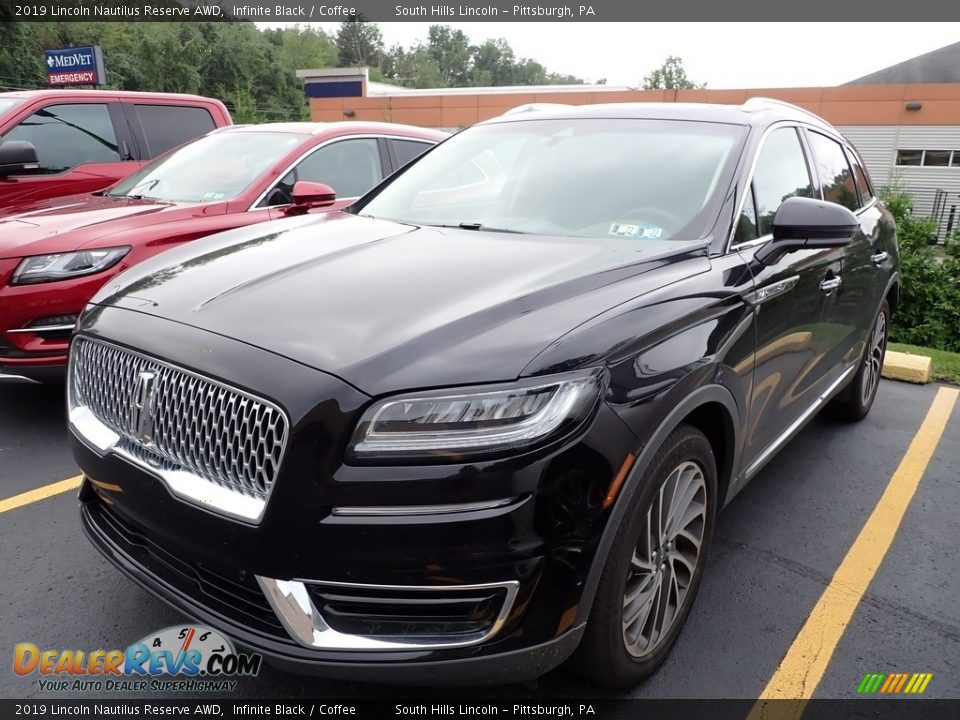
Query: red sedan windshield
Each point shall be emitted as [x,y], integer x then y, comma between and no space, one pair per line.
[215,167]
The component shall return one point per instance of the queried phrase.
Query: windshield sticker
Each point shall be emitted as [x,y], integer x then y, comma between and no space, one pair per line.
[632,230]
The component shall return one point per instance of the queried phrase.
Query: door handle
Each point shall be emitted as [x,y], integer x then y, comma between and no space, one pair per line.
[879,258]
[831,284]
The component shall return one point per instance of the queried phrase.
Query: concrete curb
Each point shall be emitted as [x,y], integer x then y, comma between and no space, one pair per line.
[907,367]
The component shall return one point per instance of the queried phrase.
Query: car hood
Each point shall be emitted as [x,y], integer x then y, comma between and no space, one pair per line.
[386,306]
[67,223]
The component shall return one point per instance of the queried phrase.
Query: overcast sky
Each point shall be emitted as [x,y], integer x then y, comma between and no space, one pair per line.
[723,55]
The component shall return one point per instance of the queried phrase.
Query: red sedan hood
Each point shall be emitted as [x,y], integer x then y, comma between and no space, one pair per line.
[67,223]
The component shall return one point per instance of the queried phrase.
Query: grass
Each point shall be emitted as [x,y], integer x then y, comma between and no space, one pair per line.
[946,365]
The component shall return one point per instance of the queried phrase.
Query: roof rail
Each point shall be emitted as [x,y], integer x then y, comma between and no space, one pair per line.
[759,101]
[536,107]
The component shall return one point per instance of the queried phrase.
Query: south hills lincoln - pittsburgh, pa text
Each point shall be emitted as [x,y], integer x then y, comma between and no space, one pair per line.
[559,12]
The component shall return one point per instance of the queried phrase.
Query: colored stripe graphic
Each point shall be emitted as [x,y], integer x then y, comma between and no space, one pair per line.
[894,683]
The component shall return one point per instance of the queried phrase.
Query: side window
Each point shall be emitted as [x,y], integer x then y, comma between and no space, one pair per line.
[282,192]
[350,167]
[836,178]
[863,184]
[166,126]
[781,172]
[408,150]
[69,135]
[747,222]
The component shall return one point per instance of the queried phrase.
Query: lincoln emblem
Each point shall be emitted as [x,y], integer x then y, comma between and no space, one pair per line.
[141,419]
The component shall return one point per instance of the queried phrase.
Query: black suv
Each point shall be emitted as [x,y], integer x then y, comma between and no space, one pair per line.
[483,421]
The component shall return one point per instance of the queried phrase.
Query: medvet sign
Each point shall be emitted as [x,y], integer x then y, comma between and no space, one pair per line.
[75,66]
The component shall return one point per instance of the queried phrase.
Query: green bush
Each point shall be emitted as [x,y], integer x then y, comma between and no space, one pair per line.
[929,309]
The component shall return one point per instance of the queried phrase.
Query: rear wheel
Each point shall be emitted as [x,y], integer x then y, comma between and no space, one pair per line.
[856,400]
[654,567]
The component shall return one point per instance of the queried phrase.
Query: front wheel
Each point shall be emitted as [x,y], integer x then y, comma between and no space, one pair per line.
[654,567]
[856,400]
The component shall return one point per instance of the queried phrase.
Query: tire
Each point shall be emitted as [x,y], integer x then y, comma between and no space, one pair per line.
[608,655]
[857,398]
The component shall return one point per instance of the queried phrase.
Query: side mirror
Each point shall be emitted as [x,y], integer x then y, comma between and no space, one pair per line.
[17,156]
[808,223]
[309,195]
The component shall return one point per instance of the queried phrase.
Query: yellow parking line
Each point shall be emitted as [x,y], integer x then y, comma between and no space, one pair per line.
[41,493]
[806,661]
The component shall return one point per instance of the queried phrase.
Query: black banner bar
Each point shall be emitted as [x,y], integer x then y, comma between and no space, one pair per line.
[444,11]
[601,709]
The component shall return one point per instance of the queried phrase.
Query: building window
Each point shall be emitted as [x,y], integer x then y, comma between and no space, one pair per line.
[909,157]
[936,158]
[929,158]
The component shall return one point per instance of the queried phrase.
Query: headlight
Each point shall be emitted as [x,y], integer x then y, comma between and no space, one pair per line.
[47,268]
[453,424]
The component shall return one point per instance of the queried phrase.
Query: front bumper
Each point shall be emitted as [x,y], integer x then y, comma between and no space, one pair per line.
[413,667]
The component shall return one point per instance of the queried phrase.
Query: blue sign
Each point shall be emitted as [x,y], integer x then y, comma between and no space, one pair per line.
[75,66]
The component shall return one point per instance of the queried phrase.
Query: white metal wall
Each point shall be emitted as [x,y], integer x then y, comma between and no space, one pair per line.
[878,144]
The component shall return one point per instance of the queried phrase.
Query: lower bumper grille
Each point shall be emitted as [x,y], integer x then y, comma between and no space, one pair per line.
[410,613]
[237,598]
[317,615]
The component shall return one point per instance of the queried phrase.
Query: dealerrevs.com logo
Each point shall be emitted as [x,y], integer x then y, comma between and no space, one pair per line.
[179,658]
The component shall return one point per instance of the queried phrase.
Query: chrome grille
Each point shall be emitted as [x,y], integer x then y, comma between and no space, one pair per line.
[199,426]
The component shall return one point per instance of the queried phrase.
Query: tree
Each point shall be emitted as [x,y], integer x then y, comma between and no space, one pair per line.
[493,63]
[416,68]
[359,43]
[303,47]
[670,76]
[451,50]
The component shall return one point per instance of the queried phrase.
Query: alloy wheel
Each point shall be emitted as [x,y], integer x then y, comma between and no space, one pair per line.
[665,559]
[874,359]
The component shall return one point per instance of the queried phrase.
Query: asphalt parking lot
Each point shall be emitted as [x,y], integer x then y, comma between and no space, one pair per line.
[775,553]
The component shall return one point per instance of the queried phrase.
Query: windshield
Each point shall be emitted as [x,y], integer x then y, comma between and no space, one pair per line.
[214,167]
[624,178]
[8,104]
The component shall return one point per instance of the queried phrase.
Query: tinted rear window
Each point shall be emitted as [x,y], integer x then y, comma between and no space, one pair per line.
[408,150]
[69,135]
[166,126]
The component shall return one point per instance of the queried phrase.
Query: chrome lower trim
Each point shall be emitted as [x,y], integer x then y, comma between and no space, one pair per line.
[298,614]
[40,330]
[795,426]
[410,510]
[17,378]
[185,485]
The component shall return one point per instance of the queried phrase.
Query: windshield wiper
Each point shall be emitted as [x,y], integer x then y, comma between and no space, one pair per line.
[150,185]
[486,228]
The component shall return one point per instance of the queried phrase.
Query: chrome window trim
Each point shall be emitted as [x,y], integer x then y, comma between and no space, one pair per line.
[303,621]
[315,148]
[798,124]
[197,490]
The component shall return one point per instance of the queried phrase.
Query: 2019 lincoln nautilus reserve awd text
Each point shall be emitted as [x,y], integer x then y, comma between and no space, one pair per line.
[483,421]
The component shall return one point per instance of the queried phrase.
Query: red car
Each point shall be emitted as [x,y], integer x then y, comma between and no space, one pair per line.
[55,254]
[61,142]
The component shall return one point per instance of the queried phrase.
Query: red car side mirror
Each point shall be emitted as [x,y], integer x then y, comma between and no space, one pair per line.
[309,195]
